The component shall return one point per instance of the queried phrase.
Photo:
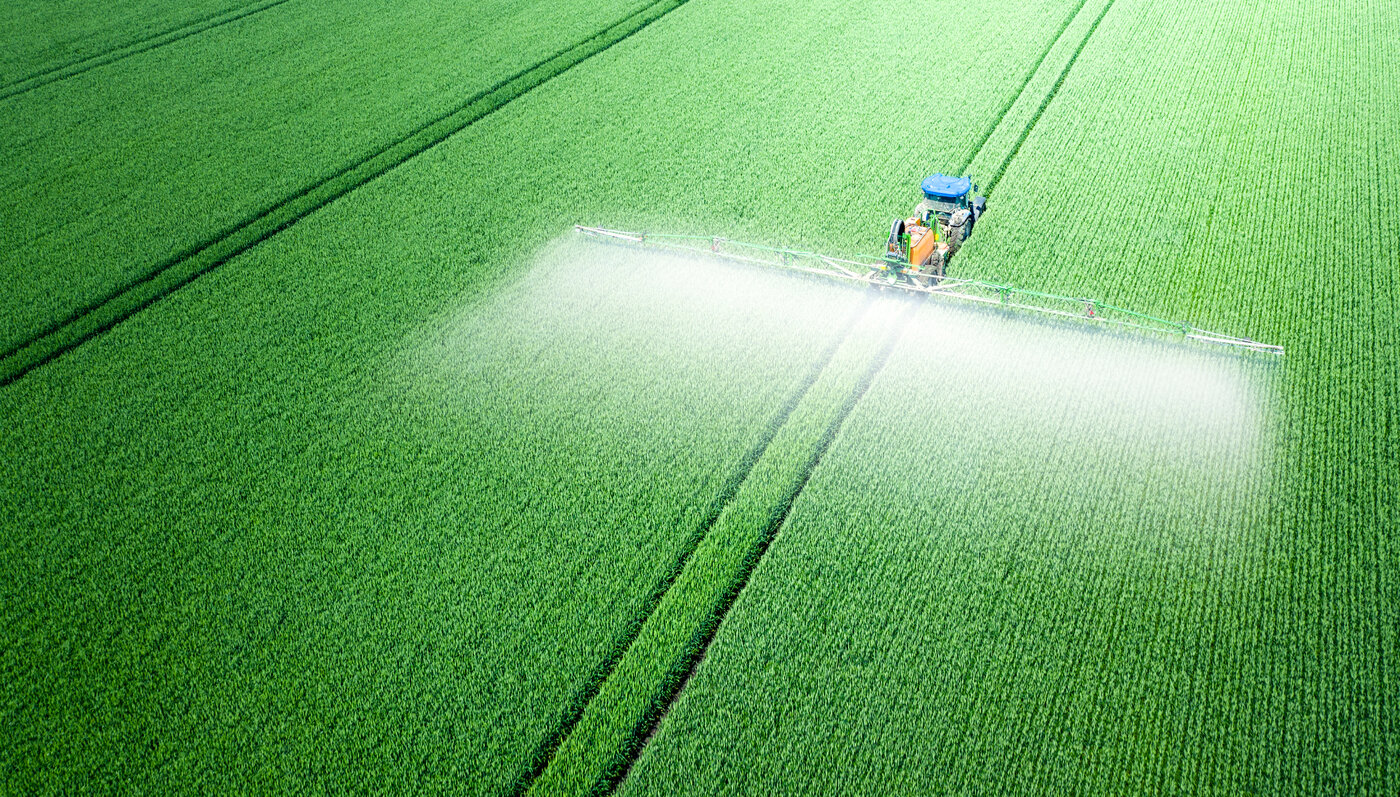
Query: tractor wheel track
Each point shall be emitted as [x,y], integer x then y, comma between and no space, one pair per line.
[1025,83]
[573,712]
[1049,97]
[183,268]
[876,365]
[64,71]
[645,734]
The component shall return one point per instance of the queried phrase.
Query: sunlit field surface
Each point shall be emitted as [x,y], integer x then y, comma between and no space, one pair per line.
[336,460]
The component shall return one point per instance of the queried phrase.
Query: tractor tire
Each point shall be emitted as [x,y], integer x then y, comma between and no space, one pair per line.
[958,233]
[956,236]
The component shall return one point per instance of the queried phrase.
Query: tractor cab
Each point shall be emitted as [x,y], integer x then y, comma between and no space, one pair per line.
[952,206]
[943,197]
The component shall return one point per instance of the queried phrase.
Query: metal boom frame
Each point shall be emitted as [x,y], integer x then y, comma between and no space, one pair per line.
[870,272]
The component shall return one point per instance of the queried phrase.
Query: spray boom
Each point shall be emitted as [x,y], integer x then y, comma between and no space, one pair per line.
[892,274]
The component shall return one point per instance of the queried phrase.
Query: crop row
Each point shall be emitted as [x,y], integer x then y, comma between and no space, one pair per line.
[320,562]
[414,545]
[1062,583]
[123,171]
[640,688]
[38,38]
[1268,207]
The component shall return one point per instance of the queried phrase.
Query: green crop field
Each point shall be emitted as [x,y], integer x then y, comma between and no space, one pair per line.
[337,461]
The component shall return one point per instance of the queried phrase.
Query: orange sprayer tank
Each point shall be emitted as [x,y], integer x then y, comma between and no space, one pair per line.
[922,240]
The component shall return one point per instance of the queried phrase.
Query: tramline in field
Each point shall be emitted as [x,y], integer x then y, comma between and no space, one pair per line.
[916,259]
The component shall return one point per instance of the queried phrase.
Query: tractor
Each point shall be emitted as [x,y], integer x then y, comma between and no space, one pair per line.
[921,245]
[916,261]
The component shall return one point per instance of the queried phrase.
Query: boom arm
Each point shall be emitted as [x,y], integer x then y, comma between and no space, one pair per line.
[869,272]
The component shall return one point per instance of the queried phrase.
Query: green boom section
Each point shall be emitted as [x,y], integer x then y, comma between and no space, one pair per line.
[1114,568]
[173,156]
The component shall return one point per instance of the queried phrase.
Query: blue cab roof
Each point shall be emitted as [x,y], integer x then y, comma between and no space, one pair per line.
[941,186]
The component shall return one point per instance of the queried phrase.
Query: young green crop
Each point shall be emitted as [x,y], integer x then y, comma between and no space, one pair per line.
[118,173]
[325,538]
[1005,554]
[1045,589]
[277,559]
[639,689]
[380,503]
[41,36]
